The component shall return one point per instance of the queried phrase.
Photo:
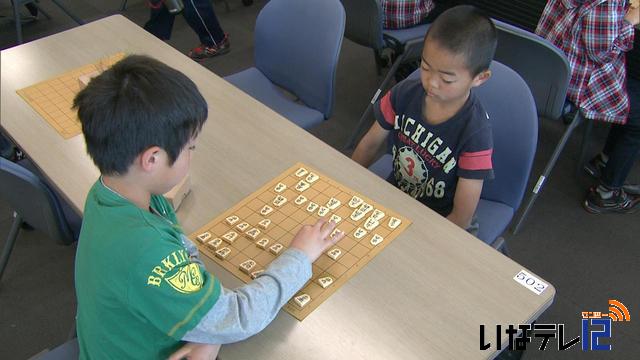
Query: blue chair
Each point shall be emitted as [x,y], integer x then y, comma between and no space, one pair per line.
[546,70]
[297,44]
[512,113]
[67,351]
[364,27]
[35,203]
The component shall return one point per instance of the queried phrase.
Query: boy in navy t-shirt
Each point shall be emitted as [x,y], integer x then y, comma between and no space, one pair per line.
[440,133]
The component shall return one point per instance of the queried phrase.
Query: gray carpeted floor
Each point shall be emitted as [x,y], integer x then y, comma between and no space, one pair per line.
[589,259]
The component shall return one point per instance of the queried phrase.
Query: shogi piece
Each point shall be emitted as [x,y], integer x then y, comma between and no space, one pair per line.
[302,186]
[376,239]
[359,233]
[204,237]
[371,224]
[280,188]
[311,178]
[230,237]
[301,199]
[262,243]
[266,210]
[223,253]
[355,202]
[247,266]
[333,203]
[301,172]
[334,253]
[312,207]
[242,226]
[323,211]
[394,222]
[302,300]
[276,248]
[214,244]
[279,201]
[232,220]
[377,215]
[264,223]
[325,282]
[253,233]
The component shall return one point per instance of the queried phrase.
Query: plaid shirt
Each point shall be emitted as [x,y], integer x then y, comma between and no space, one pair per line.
[400,14]
[595,37]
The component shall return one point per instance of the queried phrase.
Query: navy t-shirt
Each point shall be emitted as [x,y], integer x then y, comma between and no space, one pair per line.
[428,159]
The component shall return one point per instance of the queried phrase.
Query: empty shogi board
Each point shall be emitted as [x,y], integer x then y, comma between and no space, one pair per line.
[286,220]
[53,98]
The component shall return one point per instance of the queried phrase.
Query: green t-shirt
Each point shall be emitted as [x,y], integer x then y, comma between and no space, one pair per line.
[138,290]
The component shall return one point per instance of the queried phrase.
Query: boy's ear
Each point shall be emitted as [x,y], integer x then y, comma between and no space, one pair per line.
[481,78]
[150,158]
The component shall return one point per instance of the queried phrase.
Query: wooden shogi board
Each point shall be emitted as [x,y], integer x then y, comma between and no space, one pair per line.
[53,98]
[285,221]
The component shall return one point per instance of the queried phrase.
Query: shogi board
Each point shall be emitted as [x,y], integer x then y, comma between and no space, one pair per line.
[286,220]
[53,98]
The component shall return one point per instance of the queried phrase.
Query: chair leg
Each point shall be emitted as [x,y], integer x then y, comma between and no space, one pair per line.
[69,13]
[16,16]
[46,14]
[500,244]
[123,5]
[11,240]
[377,56]
[547,170]
[365,118]
[586,137]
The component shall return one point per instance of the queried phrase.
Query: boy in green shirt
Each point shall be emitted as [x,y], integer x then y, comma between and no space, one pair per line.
[142,291]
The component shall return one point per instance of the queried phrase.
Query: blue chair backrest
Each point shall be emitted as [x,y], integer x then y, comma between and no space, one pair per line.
[512,113]
[34,201]
[364,23]
[514,123]
[541,64]
[297,44]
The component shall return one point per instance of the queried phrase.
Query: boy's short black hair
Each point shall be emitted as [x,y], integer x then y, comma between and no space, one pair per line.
[464,30]
[136,104]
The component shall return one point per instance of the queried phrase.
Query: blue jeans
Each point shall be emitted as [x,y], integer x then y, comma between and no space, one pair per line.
[199,15]
[623,142]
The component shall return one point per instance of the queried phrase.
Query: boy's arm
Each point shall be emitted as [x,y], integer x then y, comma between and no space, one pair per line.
[245,311]
[465,201]
[367,148]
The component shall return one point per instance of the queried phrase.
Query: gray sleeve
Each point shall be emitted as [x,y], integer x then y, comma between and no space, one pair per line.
[245,311]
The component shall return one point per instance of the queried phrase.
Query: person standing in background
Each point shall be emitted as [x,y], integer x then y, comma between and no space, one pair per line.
[201,17]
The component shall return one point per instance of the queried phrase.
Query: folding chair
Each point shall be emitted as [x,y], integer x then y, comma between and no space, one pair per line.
[297,45]
[35,203]
[67,351]
[16,13]
[364,27]
[546,70]
[512,114]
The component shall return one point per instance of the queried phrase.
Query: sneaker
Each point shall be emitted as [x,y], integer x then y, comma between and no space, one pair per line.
[600,200]
[203,52]
[594,166]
